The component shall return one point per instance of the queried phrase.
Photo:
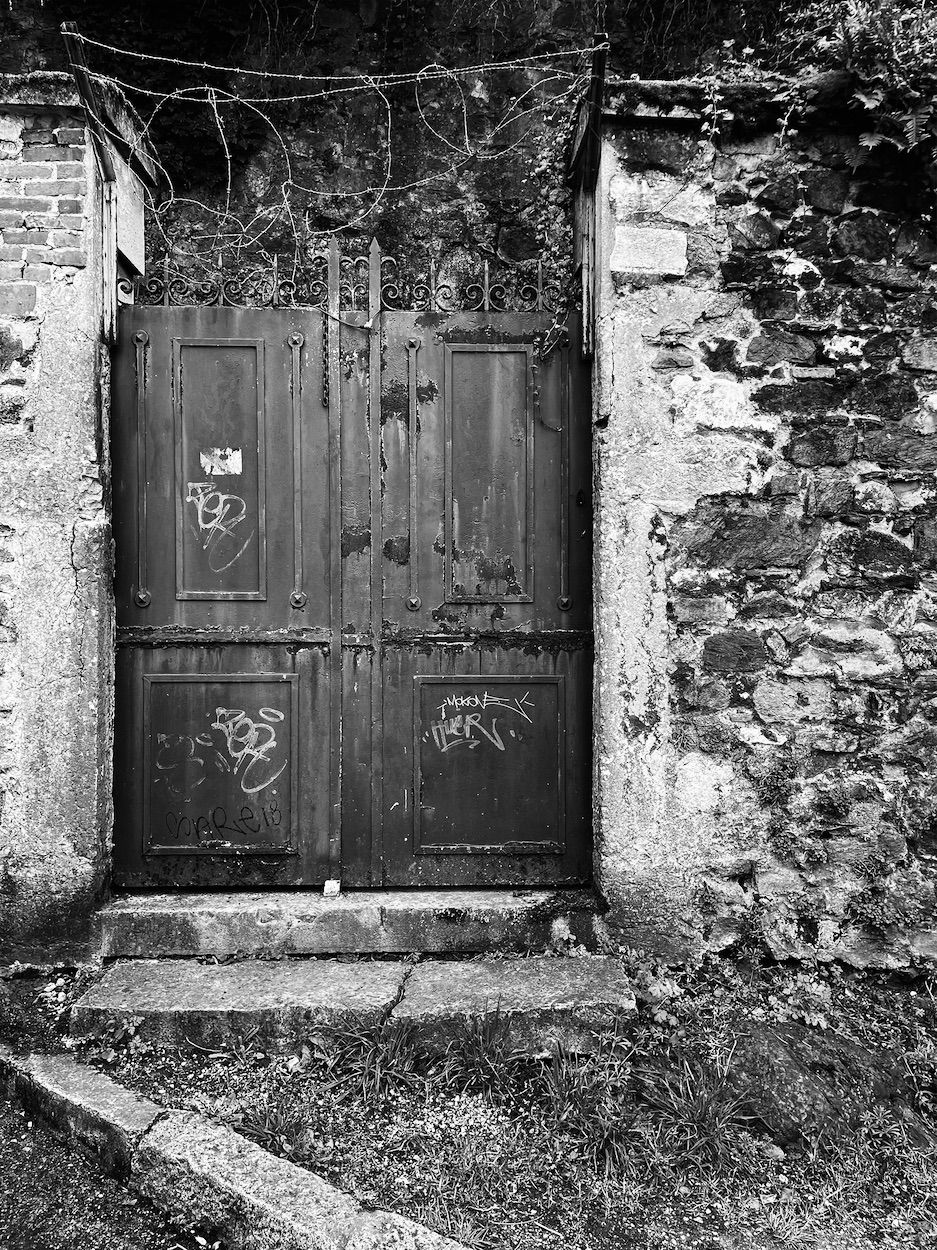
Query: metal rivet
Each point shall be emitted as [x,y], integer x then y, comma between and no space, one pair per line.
[296,339]
[298,599]
[564,603]
[141,336]
[414,603]
[142,598]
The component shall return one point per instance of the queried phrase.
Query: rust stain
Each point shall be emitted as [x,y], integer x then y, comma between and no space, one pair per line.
[355,538]
[397,548]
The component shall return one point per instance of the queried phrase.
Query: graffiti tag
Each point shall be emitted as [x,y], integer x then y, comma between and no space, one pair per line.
[250,744]
[246,748]
[218,516]
[468,727]
[219,827]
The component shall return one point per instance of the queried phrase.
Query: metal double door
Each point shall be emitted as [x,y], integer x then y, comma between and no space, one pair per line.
[353,596]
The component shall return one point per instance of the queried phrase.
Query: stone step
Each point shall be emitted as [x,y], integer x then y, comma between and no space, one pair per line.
[176,1000]
[391,922]
[548,999]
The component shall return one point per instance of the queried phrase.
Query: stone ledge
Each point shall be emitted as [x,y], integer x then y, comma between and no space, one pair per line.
[393,922]
[685,102]
[205,1172]
[42,89]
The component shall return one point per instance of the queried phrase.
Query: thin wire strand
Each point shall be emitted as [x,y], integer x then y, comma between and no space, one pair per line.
[488,67]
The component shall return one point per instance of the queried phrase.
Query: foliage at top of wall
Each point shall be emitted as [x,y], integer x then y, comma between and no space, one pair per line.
[889,47]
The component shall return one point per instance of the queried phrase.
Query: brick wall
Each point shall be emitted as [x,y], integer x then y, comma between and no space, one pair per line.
[768,388]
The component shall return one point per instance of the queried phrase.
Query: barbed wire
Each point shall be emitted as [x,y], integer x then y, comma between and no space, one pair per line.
[552,89]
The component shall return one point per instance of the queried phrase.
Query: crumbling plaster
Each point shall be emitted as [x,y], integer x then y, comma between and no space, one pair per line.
[56,623]
[663,816]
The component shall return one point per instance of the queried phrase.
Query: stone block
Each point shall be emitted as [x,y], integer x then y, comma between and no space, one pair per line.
[781,192]
[549,1000]
[70,256]
[774,303]
[885,277]
[283,1001]
[755,232]
[884,395]
[55,152]
[17,299]
[821,444]
[203,1173]
[25,203]
[734,651]
[648,252]
[921,354]
[779,346]
[747,272]
[730,536]
[87,1107]
[901,449]
[865,235]
[65,186]
[870,553]
[649,195]
[825,189]
[832,494]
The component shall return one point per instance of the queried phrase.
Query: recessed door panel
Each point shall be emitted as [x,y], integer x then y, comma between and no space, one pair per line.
[489,473]
[219,763]
[220,486]
[488,765]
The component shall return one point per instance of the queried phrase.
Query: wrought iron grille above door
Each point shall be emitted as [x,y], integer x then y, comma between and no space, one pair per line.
[353,524]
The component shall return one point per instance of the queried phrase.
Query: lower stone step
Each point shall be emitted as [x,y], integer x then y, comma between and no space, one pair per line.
[182,1000]
[548,999]
[389,922]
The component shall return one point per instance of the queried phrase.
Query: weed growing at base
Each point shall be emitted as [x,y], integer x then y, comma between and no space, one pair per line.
[672,1131]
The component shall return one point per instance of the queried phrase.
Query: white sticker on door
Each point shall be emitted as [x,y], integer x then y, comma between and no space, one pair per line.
[221,461]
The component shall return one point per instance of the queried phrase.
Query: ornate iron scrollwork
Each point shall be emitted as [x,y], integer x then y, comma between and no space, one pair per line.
[443,286]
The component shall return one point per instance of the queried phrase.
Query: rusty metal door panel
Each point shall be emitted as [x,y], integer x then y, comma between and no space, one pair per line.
[486,614]
[224,481]
[222,779]
[476,764]
[212,403]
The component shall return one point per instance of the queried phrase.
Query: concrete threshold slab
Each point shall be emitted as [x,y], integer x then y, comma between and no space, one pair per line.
[550,1001]
[280,1002]
[198,1172]
[365,922]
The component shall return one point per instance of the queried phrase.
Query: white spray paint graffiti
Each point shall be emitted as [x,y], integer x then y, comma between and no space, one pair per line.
[218,516]
[466,728]
[250,740]
[246,750]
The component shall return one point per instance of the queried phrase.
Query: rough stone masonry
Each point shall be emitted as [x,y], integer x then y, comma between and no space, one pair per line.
[766,552]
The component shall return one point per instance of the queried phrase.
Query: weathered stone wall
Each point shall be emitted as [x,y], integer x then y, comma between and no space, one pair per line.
[766,407]
[56,649]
